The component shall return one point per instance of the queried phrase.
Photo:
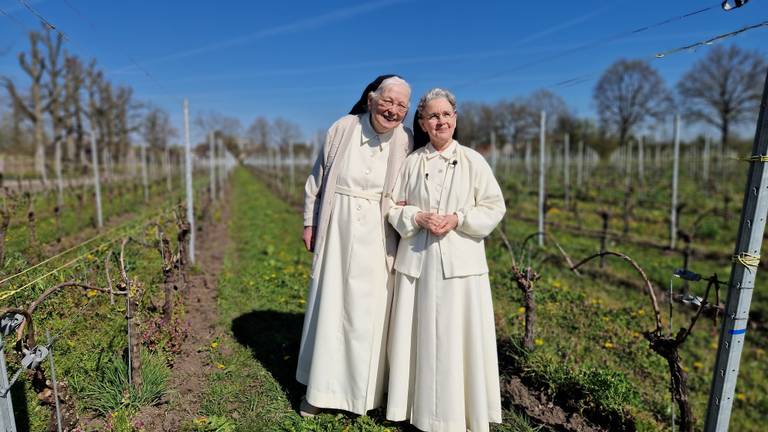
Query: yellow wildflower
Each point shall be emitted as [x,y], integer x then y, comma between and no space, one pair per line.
[741,396]
[698,365]
[538,342]
[220,366]
[521,309]
[91,293]
[214,344]
[608,345]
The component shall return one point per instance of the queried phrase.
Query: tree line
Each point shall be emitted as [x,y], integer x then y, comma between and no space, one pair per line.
[722,90]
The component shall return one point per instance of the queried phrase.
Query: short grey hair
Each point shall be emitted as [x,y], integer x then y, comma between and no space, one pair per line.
[435,93]
[389,82]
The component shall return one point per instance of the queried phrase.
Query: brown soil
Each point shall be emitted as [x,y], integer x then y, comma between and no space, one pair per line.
[191,366]
[540,410]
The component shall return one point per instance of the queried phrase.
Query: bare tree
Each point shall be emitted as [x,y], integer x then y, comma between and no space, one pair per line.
[157,129]
[259,134]
[723,89]
[34,66]
[285,132]
[628,94]
[545,100]
[212,121]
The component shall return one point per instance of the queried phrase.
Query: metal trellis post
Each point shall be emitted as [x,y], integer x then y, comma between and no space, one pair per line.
[741,284]
[542,174]
[567,168]
[212,165]
[675,169]
[7,420]
[190,192]
[96,181]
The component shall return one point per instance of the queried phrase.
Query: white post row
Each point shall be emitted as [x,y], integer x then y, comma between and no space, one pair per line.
[628,163]
[96,182]
[675,168]
[144,174]
[580,165]
[190,192]
[212,165]
[567,168]
[641,159]
[220,168]
[542,174]
[167,163]
[705,158]
[494,155]
[59,179]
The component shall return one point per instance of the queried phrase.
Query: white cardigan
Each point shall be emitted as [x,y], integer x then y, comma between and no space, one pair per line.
[472,194]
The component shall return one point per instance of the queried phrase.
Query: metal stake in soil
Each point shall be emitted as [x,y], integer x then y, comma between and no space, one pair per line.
[53,381]
[675,169]
[96,181]
[190,192]
[542,174]
[741,284]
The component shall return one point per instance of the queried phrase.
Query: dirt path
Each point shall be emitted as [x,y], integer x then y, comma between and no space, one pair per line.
[192,365]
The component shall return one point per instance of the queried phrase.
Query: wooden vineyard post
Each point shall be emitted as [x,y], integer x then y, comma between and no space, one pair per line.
[190,192]
[675,169]
[96,184]
[542,174]
[742,281]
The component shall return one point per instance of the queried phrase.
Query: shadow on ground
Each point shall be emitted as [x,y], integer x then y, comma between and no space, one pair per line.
[274,339]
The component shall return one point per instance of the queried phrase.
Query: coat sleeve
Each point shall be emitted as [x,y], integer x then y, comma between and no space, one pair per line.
[312,187]
[402,217]
[479,219]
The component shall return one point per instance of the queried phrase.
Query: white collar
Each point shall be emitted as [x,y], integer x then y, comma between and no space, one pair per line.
[448,153]
[369,133]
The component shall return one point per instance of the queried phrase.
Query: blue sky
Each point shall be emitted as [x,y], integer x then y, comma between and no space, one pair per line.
[308,61]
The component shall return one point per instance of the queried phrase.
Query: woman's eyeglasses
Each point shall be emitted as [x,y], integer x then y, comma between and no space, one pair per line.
[435,117]
[390,104]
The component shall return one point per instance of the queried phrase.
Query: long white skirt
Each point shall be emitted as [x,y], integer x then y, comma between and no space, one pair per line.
[342,358]
[444,373]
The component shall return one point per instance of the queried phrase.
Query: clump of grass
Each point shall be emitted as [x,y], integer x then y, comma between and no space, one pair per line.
[111,392]
[331,423]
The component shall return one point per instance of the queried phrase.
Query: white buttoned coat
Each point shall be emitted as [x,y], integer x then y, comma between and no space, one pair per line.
[471,192]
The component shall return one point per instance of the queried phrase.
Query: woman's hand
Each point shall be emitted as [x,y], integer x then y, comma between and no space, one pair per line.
[422,219]
[307,237]
[447,223]
[438,225]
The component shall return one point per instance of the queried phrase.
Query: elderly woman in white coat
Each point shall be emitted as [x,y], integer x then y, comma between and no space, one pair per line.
[342,357]
[442,344]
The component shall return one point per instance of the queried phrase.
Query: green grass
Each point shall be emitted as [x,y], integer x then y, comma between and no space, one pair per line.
[111,392]
[261,301]
[589,330]
[91,332]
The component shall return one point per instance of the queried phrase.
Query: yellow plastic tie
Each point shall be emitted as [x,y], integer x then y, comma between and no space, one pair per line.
[756,158]
[747,260]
